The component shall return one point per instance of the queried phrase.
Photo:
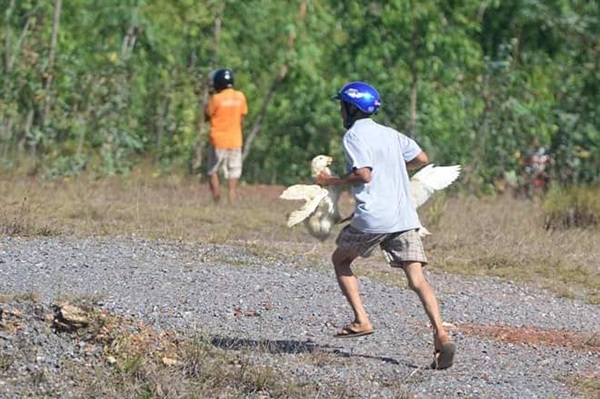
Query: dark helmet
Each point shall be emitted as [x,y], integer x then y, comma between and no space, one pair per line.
[360,94]
[221,79]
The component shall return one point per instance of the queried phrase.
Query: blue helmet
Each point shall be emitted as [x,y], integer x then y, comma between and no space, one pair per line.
[360,94]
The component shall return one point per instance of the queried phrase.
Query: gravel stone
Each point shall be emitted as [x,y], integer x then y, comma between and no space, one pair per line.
[242,298]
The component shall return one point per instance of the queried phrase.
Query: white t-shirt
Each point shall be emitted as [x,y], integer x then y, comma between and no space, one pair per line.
[384,205]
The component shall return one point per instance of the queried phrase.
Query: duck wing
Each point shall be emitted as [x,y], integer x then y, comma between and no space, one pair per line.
[430,179]
[312,194]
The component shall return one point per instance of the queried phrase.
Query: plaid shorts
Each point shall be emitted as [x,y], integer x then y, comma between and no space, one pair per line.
[228,161]
[404,246]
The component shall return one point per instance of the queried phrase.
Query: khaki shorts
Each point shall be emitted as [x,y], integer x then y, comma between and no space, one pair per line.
[404,246]
[228,161]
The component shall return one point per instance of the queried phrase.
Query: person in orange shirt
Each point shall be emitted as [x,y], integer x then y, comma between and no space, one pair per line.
[225,111]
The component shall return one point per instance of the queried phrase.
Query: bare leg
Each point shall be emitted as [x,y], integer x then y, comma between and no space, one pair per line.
[418,283]
[232,189]
[214,187]
[342,259]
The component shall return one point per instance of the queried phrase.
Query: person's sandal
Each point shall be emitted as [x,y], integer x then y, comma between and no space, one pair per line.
[349,332]
[444,356]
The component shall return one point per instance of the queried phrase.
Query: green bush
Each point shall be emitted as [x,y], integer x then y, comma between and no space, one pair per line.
[572,207]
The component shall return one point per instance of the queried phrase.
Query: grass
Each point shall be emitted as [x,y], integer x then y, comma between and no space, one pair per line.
[506,238]
[170,208]
[495,236]
[587,385]
[29,297]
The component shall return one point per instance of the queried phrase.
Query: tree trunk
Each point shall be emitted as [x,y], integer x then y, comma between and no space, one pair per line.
[472,171]
[201,125]
[413,102]
[5,117]
[281,74]
[11,51]
[162,110]
[283,70]
[7,36]
[414,46]
[49,73]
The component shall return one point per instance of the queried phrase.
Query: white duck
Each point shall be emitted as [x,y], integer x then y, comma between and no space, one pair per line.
[320,211]
[428,180]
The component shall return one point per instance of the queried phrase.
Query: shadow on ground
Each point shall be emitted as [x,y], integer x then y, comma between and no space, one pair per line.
[295,347]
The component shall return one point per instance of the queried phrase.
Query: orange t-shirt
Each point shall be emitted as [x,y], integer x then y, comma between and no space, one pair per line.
[226,110]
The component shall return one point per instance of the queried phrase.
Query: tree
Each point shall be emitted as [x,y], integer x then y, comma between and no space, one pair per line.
[100,86]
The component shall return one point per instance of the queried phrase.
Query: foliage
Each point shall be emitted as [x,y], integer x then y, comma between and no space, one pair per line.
[572,207]
[475,83]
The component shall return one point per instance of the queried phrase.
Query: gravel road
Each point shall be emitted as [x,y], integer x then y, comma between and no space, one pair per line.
[294,302]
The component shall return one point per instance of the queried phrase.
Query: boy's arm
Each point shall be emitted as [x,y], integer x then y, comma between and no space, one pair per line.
[357,176]
[420,160]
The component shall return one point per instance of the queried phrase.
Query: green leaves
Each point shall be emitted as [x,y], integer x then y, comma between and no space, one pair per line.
[473,82]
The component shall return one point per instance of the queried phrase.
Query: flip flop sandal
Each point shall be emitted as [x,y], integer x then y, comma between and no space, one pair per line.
[443,357]
[349,332]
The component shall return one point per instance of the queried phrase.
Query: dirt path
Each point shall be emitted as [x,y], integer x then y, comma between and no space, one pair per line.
[280,308]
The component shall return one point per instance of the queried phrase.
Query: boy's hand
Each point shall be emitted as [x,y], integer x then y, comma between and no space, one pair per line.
[323,178]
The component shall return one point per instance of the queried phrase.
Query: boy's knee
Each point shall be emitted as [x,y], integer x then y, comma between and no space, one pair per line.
[417,283]
[341,266]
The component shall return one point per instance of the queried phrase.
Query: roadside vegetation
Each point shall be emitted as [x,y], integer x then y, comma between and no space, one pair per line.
[541,241]
[481,84]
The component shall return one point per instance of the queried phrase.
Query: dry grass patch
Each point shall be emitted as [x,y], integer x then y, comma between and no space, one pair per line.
[497,236]
[143,205]
[572,207]
[15,219]
[27,297]
[505,237]
[587,385]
